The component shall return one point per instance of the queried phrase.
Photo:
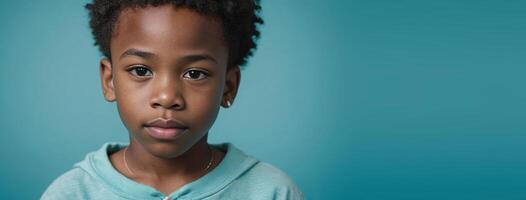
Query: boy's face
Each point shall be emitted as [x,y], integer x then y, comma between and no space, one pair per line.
[168,63]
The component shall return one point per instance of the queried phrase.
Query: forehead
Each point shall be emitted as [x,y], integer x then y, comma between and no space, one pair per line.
[166,30]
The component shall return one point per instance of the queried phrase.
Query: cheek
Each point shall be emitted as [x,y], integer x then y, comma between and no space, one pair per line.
[205,105]
[130,104]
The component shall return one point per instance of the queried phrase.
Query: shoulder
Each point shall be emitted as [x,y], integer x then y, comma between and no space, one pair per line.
[264,172]
[266,178]
[74,184]
[66,185]
[255,179]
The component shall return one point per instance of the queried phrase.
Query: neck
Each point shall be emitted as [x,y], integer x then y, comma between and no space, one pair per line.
[191,164]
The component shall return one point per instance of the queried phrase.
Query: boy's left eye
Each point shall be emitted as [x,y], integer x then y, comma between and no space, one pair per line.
[195,75]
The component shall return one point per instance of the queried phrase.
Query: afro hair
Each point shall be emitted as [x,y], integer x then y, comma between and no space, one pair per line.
[240,20]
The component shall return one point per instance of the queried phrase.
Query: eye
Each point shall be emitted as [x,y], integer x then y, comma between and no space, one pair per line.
[195,75]
[140,71]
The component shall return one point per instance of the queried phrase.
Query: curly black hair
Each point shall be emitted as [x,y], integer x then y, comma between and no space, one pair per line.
[240,20]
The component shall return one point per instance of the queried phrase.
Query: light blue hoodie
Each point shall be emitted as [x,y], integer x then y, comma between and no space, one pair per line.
[238,176]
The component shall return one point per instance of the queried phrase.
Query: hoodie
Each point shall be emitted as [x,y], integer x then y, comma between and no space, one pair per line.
[238,176]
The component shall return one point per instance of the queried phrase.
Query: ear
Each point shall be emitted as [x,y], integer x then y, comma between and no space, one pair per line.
[106,78]
[233,78]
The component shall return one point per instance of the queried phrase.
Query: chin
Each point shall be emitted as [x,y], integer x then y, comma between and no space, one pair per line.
[165,149]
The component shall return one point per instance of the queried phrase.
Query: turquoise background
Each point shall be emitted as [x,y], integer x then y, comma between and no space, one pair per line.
[353,99]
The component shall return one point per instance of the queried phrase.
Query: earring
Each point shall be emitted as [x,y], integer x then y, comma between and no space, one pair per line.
[228,104]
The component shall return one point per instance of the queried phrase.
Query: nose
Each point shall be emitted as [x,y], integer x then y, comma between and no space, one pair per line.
[168,94]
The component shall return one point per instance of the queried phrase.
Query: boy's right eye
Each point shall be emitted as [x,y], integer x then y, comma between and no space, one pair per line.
[140,71]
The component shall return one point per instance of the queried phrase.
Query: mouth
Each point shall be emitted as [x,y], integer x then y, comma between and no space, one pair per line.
[165,129]
[164,133]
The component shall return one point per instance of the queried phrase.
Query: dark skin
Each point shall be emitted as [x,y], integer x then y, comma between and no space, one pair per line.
[169,63]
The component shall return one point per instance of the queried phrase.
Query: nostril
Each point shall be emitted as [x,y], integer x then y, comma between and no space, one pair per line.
[177,106]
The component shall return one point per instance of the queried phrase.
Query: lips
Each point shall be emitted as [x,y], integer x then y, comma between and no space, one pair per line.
[165,129]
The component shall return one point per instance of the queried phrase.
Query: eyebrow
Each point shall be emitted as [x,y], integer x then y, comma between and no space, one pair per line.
[198,57]
[138,53]
[147,55]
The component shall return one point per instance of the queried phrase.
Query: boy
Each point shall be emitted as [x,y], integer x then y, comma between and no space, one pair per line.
[169,66]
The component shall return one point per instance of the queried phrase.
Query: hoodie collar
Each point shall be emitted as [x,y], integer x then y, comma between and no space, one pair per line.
[233,165]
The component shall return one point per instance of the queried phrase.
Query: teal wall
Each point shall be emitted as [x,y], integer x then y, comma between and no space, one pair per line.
[353,99]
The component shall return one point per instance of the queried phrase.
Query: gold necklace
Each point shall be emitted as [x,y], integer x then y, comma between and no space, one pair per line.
[206,169]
